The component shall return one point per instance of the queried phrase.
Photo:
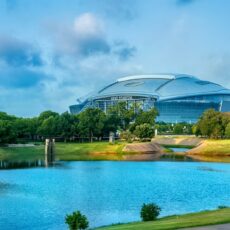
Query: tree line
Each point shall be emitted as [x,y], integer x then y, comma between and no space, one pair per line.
[213,124]
[93,123]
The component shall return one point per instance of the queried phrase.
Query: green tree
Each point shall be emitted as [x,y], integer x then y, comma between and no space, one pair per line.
[147,117]
[227,130]
[48,128]
[66,125]
[7,132]
[150,212]
[111,124]
[46,114]
[6,117]
[33,125]
[26,127]
[144,131]
[91,122]
[164,128]
[212,124]
[122,114]
[178,128]
[76,221]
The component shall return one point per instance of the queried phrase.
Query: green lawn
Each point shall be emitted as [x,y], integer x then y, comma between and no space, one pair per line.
[212,150]
[214,147]
[90,151]
[22,153]
[67,151]
[219,216]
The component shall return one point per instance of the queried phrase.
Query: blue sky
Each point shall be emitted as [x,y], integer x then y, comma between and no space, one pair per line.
[52,52]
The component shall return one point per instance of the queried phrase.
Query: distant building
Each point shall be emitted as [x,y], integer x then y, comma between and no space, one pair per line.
[177,97]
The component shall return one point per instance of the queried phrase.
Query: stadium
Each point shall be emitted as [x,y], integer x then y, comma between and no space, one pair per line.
[177,97]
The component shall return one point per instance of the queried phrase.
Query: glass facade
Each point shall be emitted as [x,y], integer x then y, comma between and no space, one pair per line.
[178,111]
[178,98]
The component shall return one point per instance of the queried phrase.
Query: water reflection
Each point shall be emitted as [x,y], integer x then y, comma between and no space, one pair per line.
[204,168]
[46,162]
[175,158]
[21,164]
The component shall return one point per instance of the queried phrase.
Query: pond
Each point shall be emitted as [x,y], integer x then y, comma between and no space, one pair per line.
[179,150]
[108,192]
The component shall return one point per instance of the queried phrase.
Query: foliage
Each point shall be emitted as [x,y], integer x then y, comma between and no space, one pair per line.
[178,129]
[212,124]
[76,221]
[122,114]
[7,132]
[147,117]
[46,114]
[227,131]
[182,128]
[48,127]
[127,135]
[144,131]
[205,218]
[222,206]
[91,122]
[150,212]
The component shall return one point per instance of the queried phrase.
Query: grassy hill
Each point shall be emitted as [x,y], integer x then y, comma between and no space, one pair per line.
[219,216]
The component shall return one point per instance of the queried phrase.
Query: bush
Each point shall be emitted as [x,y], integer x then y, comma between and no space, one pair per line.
[76,221]
[227,131]
[144,131]
[222,207]
[127,135]
[150,212]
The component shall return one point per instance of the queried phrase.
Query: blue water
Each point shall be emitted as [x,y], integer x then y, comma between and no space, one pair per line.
[108,192]
[179,150]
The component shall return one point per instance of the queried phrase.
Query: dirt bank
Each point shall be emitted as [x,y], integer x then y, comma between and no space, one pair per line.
[143,151]
[178,140]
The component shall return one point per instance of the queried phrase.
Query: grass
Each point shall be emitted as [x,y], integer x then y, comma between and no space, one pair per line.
[208,150]
[22,153]
[212,150]
[90,151]
[220,216]
[214,147]
[67,152]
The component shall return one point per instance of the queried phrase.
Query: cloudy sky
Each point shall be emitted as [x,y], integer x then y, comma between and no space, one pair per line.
[52,52]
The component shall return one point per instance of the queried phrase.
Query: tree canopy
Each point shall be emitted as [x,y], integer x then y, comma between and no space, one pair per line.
[212,124]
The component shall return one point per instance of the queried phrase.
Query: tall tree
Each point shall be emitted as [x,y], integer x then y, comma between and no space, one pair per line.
[7,132]
[48,127]
[66,125]
[227,130]
[212,124]
[91,122]
[123,114]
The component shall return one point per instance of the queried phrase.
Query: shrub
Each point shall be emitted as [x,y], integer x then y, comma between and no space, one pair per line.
[227,131]
[150,212]
[144,131]
[222,207]
[76,221]
[127,135]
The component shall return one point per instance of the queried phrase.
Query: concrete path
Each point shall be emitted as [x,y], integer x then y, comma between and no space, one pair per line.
[212,227]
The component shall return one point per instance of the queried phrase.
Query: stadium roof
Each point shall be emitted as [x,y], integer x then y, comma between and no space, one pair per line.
[161,86]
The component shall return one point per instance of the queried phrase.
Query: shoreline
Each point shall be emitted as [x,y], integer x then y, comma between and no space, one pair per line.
[157,149]
[195,219]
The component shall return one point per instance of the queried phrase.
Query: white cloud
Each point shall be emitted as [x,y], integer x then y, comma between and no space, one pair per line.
[88,24]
